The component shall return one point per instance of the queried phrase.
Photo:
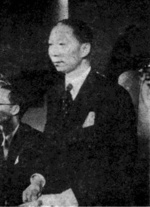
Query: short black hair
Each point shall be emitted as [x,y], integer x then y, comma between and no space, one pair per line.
[15,97]
[81,30]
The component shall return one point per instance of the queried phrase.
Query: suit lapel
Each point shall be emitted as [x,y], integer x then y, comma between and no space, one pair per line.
[86,88]
[83,102]
[1,149]
[81,106]
[16,146]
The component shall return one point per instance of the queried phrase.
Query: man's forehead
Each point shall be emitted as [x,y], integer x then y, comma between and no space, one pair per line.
[61,31]
[4,94]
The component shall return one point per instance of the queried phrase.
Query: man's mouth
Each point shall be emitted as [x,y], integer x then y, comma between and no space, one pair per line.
[58,63]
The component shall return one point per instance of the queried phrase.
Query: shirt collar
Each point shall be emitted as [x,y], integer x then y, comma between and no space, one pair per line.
[76,81]
[10,136]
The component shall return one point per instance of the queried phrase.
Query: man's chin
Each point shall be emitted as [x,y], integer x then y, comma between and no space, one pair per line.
[64,71]
[60,69]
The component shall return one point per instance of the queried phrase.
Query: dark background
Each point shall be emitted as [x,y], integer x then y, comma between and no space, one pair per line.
[25,25]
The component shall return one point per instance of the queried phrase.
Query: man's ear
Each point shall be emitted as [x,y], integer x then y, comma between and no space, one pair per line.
[86,48]
[15,109]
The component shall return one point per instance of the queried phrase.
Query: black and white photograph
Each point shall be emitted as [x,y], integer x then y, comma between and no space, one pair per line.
[74,103]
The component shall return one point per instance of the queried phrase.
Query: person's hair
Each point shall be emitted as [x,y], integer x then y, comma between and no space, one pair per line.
[14,97]
[81,30]
[119,60]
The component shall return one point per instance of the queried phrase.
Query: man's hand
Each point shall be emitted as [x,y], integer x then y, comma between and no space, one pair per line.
[31,193]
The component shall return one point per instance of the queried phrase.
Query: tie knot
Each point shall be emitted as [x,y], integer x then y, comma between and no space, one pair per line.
[69,87]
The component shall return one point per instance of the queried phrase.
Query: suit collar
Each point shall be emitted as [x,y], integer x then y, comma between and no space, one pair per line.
[87,87]
[77,82]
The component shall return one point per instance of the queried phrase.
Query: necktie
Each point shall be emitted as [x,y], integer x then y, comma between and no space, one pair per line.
[1,147]
[67,100]
[4,145]
[5,148]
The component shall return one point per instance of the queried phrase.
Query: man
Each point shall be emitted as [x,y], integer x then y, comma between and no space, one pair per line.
[20,147]
[142,181]
[95,132]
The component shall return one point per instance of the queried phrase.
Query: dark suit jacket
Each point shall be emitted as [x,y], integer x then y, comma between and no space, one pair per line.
[97,162]
[26,147]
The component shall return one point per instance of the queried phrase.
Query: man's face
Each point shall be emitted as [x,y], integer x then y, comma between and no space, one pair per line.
[65,51]
[5,110]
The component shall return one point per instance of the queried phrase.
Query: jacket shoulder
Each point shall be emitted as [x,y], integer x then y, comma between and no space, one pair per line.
[30,134]
[108,87]
[32,140]
[27,128]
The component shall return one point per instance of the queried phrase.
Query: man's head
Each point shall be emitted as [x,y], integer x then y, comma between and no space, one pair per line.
[10,103]
[69,44]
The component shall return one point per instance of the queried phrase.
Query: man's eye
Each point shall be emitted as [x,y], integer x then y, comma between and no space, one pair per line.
[61,43]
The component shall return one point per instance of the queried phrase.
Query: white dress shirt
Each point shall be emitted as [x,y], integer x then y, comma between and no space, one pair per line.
[76,81]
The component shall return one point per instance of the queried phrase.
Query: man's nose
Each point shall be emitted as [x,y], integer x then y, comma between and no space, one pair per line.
[54,51]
